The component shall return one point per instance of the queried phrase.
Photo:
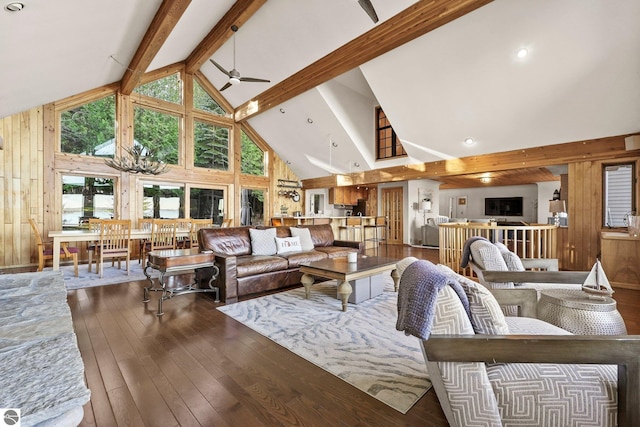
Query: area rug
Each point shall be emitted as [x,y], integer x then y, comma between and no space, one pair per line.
[111,276]
[361,346]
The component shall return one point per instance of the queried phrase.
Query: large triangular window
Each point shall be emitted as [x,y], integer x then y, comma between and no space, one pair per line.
[203,101]
[167,89]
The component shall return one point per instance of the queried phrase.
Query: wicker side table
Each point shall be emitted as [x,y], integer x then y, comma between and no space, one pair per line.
[576,312]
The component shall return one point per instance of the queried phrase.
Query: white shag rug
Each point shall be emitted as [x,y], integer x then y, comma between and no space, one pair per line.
[111,276]
[361,346]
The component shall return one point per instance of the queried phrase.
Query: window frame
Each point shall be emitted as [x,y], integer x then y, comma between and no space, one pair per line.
[633,191]
[395,141]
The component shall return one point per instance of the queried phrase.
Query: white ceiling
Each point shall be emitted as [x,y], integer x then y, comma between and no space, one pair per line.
[581,79]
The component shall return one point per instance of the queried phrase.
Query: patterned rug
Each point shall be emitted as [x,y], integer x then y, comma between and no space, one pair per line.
[360,346]
[111,276]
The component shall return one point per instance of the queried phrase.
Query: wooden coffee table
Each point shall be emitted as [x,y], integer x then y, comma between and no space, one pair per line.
[171,262]
[344,272]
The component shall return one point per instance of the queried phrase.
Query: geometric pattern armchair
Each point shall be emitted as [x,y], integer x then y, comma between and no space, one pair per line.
[492,370]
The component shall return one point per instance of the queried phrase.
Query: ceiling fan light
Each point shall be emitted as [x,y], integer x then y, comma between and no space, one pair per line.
[234,80]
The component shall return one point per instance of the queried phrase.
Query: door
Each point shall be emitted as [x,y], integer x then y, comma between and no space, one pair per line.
[392,208]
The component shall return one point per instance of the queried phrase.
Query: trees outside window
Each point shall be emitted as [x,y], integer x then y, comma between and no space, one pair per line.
[90,128]
[252,160]
[205,203]
[85,197]
[210,146]
[163,201]
[251,206]
[158,132]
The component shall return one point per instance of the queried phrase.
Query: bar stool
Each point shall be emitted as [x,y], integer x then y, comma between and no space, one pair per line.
[379,228]
[352,224]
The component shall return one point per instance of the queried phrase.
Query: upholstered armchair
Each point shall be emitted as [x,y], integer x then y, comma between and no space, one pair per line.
[430,233]
[492,370]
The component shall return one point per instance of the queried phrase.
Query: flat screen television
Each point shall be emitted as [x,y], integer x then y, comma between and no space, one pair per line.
[503,206]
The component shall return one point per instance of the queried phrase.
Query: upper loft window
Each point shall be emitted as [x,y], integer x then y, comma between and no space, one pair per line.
[618,194]
[203,101]
[90,128]
[388,145]
[158,133]
[167,89]
[210,146]
[252,160]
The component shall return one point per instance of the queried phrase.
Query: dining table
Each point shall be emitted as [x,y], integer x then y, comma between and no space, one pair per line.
[86,235]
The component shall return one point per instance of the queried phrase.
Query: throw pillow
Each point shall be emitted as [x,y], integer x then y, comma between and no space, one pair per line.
[288,244]
[513,261]
[403,264]
[486,314]
[263,241]
[305,237]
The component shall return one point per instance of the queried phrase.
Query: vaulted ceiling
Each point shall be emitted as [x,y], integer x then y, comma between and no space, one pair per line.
[329,65]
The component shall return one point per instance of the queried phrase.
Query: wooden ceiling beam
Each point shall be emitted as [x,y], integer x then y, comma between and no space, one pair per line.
[558,154]
[415,21]
[239,13]
[163,23]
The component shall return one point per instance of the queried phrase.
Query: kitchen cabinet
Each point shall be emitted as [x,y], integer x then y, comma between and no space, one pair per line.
[620,257]
[347,195]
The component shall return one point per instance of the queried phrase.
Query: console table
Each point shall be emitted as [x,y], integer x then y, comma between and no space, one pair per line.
[172,262]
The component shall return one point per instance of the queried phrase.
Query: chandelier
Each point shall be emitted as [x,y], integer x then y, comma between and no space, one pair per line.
[139,160]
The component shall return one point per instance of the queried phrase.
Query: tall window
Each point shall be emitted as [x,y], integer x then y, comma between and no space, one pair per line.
[85,197]
[387,143]
[210,146]
[252,161]
[618,194]
[90,128]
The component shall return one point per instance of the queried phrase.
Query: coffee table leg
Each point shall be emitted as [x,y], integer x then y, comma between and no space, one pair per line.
[344,290]
[396,279]
[306,281]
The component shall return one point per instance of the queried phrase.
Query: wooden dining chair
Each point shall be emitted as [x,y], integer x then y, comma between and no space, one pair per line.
[94,226]
[45,251]
[197,224]
[227,222]
[163,234]
[143,224]
[115,242]
[183,241]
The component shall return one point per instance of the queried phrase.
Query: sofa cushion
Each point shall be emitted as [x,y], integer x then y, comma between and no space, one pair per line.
[297,258]
[488,257]
[263,242]
[336,251]
[257,264]
[225,240]
[486,313]
[513,261]
[288,244]
[321,235]
[305,237]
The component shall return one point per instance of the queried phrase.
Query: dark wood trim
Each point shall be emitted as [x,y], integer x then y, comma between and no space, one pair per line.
[415,21]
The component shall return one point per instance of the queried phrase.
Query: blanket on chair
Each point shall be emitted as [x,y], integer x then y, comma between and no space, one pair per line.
[417,293]
[466,251]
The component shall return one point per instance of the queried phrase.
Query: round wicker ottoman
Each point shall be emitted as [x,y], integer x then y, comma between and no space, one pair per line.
[576,312]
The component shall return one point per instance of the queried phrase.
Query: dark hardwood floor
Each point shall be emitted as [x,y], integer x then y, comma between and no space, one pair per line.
[194,366]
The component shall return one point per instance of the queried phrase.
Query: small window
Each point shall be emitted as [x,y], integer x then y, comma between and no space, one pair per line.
[203,101]
[90,128]
[210,146]
[618,194]
[158,132]
[252,161]
[167,89]
[85,197]
[205,203]
[163,201]
[388,143]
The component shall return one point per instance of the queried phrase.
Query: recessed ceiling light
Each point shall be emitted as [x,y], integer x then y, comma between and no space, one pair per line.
[469,141]
[282,110]
[522,52]
[309,120]
[14,7]
[485,179]
[334,144]
[356,164]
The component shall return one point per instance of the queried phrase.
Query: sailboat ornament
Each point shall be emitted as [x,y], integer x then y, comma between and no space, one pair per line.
[597,284]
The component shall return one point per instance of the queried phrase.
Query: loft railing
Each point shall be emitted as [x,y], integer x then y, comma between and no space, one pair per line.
[530,241]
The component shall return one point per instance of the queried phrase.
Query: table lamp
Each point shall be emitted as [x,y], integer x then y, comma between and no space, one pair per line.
[555,207]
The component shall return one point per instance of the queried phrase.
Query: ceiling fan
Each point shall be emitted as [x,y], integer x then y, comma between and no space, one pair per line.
[234,75]
[368,7]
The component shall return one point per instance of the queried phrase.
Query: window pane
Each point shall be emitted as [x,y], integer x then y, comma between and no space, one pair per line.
[618,194]
[211,146]
[158,133]
[251,207]
[252,161]
[207,203]
[168,89]
[163,201]
[85,197]
[90,129]
[203,101]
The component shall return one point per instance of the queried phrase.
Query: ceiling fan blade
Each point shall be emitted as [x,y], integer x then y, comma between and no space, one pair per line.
[226,86]
[219,67]
[368,7]
[254,80]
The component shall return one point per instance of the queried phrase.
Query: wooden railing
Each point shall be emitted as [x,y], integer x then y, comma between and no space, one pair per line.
[530,241]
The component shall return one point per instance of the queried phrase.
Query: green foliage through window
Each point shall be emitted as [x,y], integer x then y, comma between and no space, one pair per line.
[210,146]
[168,89]
[203,101]
[158,133]
[252,159]
[90,128]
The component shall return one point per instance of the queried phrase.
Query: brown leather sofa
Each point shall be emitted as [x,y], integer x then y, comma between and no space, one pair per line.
[242,273]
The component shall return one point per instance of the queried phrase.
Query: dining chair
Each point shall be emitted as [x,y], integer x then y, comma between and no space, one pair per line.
[227,222]
[143,224]
[352,224]
[45,252]
[378,232]
[183,242]
[115,239]
[163,234]
[197,224]
[94,226]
